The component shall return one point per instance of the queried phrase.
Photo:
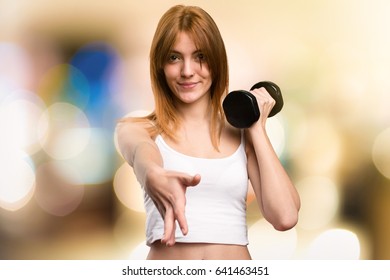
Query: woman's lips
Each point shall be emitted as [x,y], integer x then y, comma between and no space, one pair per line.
[187,85]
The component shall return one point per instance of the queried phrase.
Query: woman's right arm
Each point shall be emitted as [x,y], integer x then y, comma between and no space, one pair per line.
[166,188]
[138,149]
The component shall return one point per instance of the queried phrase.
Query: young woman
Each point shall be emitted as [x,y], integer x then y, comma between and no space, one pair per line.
[194,166]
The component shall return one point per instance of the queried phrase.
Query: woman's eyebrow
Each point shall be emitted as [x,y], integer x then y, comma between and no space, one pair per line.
[178,52]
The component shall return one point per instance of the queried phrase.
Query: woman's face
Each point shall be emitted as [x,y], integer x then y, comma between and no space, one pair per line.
[186,71]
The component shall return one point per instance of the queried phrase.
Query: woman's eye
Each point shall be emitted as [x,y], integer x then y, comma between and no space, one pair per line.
[173,57]
[201,56]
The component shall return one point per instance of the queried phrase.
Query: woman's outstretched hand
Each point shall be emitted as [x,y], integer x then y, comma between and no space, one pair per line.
[167,189]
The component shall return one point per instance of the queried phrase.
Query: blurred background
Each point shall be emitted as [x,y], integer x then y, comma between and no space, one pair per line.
[70,69]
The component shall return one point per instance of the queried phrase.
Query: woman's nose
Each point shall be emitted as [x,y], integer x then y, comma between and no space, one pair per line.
[187,68]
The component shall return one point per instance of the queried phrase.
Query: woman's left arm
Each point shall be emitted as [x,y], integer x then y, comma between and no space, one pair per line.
[276,195]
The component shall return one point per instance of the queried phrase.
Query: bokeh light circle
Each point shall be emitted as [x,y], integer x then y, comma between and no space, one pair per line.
[317,146]
[140,252]
[319,200]
[55,193]
[95,161]
[15,67]
[66,83]
[268,243]
[63,131]
[276,134]
[17,180]
[19,116]
[336,244]
[128,189]
[381,153]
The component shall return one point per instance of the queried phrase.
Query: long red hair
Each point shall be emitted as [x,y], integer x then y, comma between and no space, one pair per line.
[205,33]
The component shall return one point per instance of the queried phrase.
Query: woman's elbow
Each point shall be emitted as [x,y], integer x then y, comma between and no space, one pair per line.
[286,222]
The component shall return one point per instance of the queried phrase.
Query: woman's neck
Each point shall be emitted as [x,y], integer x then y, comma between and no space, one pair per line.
[196,113]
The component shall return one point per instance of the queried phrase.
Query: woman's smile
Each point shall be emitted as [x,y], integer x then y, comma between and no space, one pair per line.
[187,72]
[187,85]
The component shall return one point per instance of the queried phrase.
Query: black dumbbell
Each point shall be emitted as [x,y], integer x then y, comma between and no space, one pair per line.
[241,108]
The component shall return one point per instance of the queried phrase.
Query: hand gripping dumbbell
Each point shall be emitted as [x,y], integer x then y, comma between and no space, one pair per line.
[241,108]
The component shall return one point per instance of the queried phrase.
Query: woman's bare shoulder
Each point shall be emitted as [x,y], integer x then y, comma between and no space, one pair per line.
[135,126]
[131,122]
[232,131]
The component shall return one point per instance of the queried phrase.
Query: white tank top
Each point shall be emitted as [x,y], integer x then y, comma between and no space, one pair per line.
[216,207]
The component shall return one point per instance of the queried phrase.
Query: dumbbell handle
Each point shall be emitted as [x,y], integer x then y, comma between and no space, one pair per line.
[241,108]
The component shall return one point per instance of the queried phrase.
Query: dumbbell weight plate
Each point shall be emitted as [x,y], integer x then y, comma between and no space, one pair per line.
[275,93]
[241,108]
